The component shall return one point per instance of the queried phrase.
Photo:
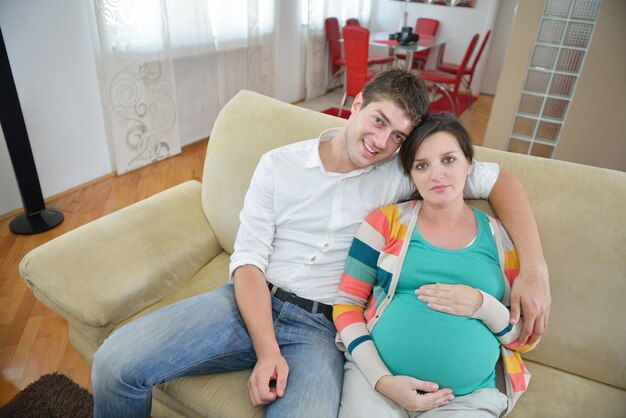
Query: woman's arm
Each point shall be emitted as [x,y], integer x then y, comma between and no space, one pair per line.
[496,317]
[462,300]
[355,289]
[474,303]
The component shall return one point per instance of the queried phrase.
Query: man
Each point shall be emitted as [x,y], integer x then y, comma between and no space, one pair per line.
[304,204]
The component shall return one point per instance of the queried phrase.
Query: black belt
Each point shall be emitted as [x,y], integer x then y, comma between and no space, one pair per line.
[306,304]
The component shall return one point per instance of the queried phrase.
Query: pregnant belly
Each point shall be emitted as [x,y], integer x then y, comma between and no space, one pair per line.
[455,352]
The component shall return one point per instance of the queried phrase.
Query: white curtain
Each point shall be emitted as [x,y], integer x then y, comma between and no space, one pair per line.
[317,64]
[167,67]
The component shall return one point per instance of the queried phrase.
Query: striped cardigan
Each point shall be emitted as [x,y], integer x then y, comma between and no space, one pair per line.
[375,261]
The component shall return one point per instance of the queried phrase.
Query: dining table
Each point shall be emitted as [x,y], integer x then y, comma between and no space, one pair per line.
[381,39]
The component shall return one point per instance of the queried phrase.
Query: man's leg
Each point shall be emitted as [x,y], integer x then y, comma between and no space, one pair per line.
[307,341]
[202,334]
[359,399]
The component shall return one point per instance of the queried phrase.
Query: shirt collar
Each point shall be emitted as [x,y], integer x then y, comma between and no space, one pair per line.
[314,159]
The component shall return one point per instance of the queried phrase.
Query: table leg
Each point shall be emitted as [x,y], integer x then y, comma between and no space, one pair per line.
[409,60]
[441,49]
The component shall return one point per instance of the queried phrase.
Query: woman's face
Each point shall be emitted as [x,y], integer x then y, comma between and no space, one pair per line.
[440,169]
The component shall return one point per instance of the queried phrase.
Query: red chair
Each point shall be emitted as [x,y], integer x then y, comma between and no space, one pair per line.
[337,63]
[425,28]
[469,72]
[447,83]
[353,22]
[356,46]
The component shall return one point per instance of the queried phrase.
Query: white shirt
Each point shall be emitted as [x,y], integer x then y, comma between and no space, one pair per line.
[298,220]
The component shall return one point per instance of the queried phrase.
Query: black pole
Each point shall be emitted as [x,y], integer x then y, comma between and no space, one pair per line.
[36,217]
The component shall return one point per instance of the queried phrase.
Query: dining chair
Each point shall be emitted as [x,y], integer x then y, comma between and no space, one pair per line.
[356,49]
[337,62]
[448,84]
[353,21]
[468,74]
[425,28]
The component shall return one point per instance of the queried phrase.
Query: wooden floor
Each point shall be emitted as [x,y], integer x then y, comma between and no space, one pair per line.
[33,339]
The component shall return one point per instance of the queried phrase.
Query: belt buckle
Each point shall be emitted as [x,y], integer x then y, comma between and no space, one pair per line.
[291,296]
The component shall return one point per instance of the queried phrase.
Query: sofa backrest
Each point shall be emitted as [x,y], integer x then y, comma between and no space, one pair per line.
[249,125]
[581,215]
[580,211]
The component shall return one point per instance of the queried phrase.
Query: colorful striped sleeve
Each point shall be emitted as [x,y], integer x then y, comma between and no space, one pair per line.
[494,313]
[355,290]
[496,317]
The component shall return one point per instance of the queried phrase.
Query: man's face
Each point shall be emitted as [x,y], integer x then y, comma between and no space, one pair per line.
[374,132]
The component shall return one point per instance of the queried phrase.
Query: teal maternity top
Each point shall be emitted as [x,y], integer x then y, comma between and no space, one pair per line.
[456,352]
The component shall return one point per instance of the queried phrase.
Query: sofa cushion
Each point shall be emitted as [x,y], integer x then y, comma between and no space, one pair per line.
[210,277]
[109,269]
[555,393]
[221,394]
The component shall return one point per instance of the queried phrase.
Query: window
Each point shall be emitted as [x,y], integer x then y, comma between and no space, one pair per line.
[560,47]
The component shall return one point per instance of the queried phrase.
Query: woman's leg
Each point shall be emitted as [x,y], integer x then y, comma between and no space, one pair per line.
[359,399]
[482,403]
[199,335]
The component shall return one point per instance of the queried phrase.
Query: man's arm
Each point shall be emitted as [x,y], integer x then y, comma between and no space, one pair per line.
[253,248]
[255,305]
[531,289]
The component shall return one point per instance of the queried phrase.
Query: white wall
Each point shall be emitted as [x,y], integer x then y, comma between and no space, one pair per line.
[456,23]
[499,41]
[49,47]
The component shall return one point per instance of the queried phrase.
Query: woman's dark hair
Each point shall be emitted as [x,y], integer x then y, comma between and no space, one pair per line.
[441,122]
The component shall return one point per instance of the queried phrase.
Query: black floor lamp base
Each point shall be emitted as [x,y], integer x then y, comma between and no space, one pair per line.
[34,224]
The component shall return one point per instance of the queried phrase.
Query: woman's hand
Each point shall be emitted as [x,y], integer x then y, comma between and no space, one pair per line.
[403,391]
[455,299]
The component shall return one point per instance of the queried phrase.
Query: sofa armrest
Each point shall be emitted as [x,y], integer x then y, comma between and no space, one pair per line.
[110,269]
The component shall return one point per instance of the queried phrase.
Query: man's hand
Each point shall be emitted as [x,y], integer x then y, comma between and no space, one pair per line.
[255,305]
[269,367]
[455,299]
[531,294]
[403,391]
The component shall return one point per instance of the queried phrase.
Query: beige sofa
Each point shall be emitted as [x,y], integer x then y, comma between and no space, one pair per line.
[177,244]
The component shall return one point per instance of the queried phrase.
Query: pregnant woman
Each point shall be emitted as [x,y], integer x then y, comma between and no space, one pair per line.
[422,305]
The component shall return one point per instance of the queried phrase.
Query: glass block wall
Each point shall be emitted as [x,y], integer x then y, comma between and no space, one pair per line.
[562,41]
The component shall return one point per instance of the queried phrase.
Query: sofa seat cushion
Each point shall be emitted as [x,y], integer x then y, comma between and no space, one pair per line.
[555,393]
[219,395]
[210,277]
[107,270]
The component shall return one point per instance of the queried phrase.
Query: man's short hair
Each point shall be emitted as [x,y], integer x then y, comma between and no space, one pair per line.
[403,88]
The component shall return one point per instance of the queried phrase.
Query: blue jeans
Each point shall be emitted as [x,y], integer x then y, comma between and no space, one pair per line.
[205,334]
